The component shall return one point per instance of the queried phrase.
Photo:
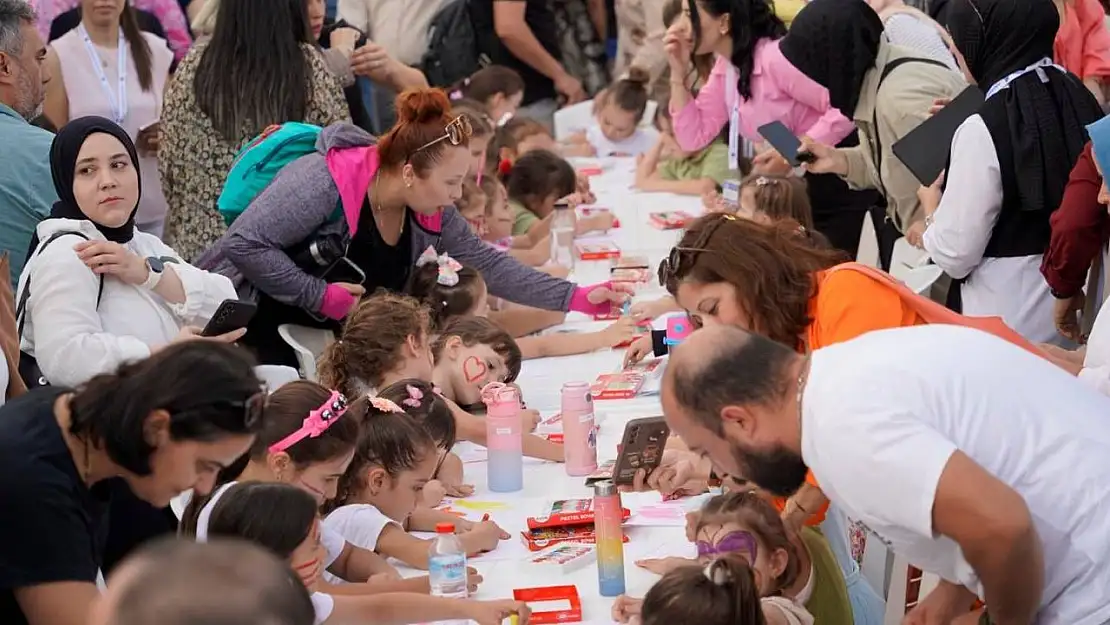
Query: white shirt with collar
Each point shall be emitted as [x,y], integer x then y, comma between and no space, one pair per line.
[879,450]
[72,337]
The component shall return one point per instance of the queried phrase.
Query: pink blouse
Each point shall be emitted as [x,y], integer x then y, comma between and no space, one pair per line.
[1082,44]
[168,13]
[780,92]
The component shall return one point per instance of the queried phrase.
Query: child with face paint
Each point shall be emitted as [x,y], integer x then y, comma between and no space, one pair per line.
[799,567]
[379,493]
[421,401]
[723,592]
[305,442]
[284,520]
[451,290]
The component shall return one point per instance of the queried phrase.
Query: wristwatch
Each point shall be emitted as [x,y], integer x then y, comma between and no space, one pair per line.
[154,275]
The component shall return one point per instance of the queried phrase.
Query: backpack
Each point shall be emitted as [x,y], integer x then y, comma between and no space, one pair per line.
[453,52]
[28,366]
[259,162]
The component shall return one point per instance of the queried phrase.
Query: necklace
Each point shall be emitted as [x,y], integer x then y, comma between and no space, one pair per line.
[377,209]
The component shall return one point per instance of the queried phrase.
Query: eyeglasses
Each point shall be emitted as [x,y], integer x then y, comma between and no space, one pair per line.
[453,133]
[678,262]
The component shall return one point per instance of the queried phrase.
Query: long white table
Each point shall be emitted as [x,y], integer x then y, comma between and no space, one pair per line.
[541,381]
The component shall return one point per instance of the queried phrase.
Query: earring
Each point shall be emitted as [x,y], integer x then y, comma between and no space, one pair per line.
[408,184]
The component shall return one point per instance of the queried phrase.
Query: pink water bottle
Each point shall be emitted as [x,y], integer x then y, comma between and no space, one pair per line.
[504,439]
[579,432]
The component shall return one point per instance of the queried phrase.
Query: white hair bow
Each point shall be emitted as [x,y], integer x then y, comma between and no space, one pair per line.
[449,268]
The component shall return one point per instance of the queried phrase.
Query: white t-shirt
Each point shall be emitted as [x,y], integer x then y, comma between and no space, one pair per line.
[359,524]
[333,543]
[641,141]
[883,413]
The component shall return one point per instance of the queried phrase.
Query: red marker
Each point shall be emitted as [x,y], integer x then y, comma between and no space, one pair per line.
[485,517]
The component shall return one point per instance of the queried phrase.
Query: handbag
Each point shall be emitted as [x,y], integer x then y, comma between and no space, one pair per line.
[28,366]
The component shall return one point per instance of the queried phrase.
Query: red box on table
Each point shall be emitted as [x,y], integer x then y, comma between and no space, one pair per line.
[552,593]
[568,521]
[599,250]
[622,385]
[670,220]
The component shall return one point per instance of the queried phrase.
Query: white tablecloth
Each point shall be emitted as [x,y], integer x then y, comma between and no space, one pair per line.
[541,381]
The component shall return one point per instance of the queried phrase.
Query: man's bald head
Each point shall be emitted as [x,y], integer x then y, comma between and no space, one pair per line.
[222,582]
[723,366]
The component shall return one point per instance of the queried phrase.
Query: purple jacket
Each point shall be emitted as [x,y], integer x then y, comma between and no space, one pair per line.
[301,200]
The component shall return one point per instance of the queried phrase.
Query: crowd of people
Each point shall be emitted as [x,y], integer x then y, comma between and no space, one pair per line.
[166,158]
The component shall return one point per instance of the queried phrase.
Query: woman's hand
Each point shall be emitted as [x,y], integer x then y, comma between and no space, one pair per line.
[662,566]
[193,333]
[930,196]
[626,608]
[345,39]
[1066,312]
[770,162]
[938,104]
[112,259]
[827,159]
[639,348]
[915,234]
[371,60]
[149,138]
[570,88]
[357,290]
[614,292]
[495,612]
[677,44]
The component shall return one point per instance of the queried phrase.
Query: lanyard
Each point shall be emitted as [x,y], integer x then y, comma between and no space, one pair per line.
[736,143]
[1035,67]
[118,102]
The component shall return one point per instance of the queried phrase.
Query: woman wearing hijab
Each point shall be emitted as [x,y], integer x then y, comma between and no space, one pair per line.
[754,84]
[96,291]
[1009,163]
[885,89]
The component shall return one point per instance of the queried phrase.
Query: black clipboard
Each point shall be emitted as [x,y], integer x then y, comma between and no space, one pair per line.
[924,150]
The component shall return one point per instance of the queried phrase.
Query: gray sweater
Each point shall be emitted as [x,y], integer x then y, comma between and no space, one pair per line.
[301,201]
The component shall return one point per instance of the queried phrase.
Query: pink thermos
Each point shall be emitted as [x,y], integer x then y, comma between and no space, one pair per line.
[579,431]
[504,439]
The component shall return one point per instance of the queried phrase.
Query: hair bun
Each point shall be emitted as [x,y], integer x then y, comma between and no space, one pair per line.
[638,75]
[421,106]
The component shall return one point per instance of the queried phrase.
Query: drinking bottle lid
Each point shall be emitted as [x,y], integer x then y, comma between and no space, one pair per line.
[604,488]
[445,528]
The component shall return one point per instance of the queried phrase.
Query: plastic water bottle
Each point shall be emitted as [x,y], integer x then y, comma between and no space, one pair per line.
[504,441]
[608,516]
[562,235]
[579,433]
[447,564]
[730,193]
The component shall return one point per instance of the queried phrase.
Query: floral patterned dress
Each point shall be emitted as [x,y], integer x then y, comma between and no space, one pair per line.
[193,159]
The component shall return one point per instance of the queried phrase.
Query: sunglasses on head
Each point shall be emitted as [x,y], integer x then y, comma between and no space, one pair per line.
[453,133]
[678,262]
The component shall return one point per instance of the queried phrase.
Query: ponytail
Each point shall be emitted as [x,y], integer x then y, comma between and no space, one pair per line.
[140,49]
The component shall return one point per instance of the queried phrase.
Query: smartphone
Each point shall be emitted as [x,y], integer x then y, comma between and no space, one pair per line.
[641,448]
[345,270]
[785,143]
[230,316]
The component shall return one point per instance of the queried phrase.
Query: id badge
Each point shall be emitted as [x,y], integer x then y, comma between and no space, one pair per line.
[734,139]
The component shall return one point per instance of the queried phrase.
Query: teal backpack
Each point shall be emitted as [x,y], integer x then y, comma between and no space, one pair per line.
[260,160]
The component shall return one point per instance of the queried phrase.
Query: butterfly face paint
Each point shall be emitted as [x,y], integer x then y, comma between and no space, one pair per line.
[735,542]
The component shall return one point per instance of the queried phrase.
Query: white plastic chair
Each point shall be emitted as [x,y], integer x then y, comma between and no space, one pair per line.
[906,257]
[308,343]
[868,251]
[920,279]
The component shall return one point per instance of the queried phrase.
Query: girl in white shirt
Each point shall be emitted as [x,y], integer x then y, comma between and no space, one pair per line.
[381,488]
[283,519]
[306,441]
[618,111]
[96,292]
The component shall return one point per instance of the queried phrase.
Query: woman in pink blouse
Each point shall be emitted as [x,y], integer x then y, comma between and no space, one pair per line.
[1082,44]
[752,84]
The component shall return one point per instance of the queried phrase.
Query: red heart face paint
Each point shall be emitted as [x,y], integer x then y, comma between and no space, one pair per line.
[473,369]
[309,572]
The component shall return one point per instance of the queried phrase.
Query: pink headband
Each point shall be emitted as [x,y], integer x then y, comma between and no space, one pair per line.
[316,423]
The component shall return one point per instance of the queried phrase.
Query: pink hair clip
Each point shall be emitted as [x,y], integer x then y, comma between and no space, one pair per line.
[316,423]
[415,395]
[449,268]
[385,405]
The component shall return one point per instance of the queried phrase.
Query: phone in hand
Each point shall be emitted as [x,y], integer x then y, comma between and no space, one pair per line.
[785,143]
[641,448]
[345,270]
[230,316]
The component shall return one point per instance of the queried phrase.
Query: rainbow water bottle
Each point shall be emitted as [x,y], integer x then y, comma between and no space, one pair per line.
[579,433]
[504,443]
[608,516]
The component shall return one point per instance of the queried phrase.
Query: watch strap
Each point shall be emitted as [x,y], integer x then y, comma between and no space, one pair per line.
[152,277]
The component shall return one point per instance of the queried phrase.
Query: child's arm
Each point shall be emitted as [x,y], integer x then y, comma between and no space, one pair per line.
[532,255]
[397,543]
[402,608]
[647,164]
[356,564]
[473,429]
[570,343]
[601,221]
[378,586]
[520,321]
[452,475]
[657,184]
[643,311]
